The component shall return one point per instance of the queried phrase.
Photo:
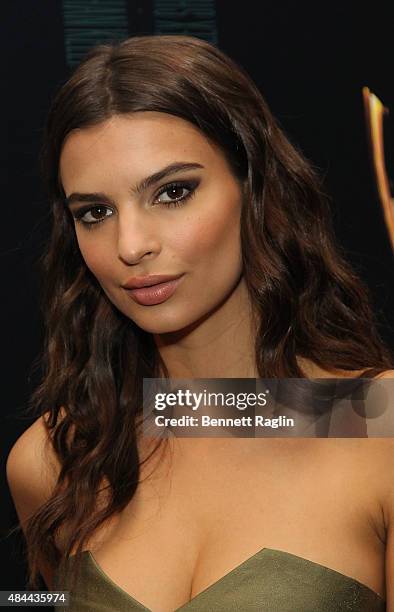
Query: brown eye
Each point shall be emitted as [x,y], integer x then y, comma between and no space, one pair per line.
[97,212]
[92,215]
[175,192]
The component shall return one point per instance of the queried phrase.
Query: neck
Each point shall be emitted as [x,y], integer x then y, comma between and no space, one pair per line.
[221,345]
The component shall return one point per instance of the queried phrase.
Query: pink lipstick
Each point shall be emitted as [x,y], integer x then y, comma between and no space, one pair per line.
[155,293]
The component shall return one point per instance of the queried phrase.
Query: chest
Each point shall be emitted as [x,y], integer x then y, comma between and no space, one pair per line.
[202,510]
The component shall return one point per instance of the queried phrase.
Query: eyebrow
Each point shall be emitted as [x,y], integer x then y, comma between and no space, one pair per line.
[136,189]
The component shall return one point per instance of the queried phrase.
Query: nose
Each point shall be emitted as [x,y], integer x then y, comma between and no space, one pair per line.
[138,235]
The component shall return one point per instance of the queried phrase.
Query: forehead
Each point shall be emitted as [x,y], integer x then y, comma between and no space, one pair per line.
[138,142]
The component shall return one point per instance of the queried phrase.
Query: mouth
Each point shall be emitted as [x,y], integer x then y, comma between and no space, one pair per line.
[155,294]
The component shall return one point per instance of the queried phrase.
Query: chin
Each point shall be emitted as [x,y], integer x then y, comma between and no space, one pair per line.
[169,320]
[164,326]
[160,320]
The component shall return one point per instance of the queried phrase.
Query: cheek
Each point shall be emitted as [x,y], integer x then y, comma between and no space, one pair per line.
[96,254]
[209,238]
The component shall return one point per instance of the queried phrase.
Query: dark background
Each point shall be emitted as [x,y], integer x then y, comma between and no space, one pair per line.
[310,60]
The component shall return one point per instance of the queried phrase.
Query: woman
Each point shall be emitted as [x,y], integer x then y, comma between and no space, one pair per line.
[163,163]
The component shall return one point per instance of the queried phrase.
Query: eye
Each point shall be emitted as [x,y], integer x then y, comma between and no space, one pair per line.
[176,194]
[89,216]
[92,214]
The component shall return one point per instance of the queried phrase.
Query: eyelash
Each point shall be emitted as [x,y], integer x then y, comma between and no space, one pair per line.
[190,185]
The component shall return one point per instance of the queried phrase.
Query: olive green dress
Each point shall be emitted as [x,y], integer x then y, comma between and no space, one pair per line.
[269,581]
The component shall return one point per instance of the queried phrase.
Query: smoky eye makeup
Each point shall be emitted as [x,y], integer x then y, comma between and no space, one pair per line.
[176,189]
[170,195]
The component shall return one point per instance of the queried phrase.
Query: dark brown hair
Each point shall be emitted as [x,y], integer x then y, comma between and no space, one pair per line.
[309,301]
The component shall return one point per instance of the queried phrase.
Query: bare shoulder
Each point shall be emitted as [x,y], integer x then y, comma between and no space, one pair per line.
[388,450]
[368,464]
[388,508]
[381,455]
[32,470]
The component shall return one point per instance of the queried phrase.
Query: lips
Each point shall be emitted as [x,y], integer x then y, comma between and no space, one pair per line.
[148,295]
[147,281]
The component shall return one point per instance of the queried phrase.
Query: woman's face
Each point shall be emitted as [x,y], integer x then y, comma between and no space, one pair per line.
[185,223]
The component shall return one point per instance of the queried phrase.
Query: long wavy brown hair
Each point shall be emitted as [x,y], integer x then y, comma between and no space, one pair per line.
[308,299]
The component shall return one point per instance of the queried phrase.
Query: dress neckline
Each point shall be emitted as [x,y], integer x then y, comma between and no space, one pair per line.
[270,552]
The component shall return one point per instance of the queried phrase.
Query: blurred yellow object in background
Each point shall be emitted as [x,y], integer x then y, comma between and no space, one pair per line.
[374,114]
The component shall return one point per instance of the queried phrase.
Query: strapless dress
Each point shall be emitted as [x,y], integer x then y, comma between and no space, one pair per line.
[269,581]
